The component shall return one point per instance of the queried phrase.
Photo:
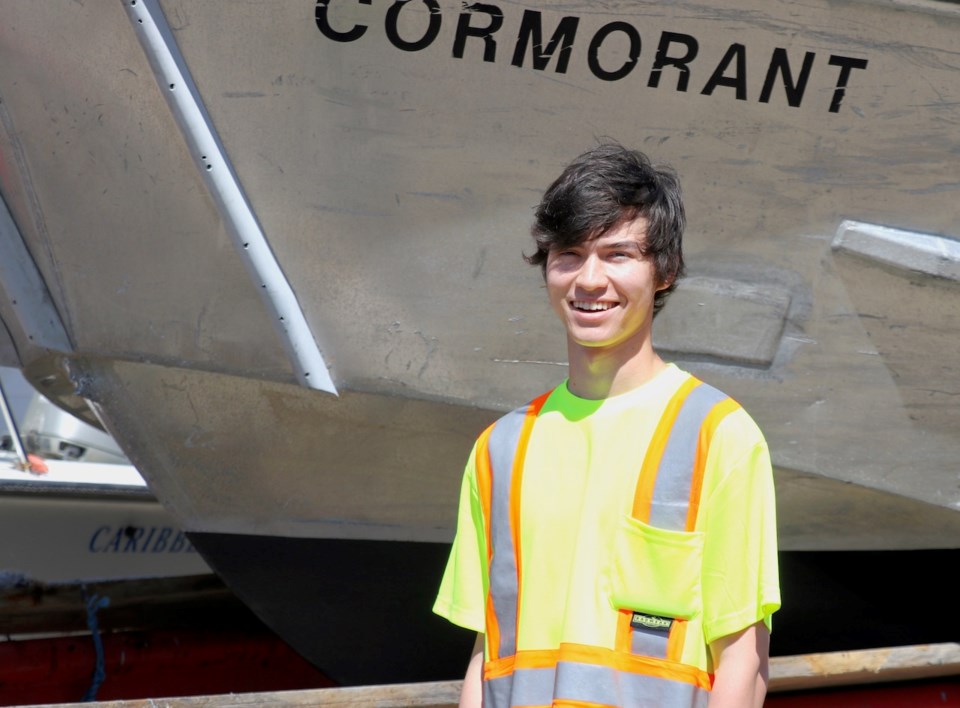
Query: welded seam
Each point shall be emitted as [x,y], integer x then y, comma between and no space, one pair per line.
[182,96]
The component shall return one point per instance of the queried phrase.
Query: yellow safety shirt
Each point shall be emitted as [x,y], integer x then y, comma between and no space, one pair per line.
[593,584]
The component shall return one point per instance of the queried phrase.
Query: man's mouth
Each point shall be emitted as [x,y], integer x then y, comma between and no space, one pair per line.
[591,305]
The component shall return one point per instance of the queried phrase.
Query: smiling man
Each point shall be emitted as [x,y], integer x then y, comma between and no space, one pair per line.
[616,539]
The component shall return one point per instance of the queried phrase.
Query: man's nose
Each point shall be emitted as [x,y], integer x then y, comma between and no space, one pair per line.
[592,275]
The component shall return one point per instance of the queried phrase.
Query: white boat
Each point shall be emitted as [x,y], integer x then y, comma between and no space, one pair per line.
[68,519]
[86,522]
[276,246]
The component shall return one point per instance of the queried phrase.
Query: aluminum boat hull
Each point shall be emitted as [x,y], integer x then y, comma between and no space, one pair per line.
[175,174]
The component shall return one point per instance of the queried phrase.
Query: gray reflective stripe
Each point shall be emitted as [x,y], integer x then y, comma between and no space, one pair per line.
[671,493]
[649,643]
[502,446]
[525,687]
[590,683]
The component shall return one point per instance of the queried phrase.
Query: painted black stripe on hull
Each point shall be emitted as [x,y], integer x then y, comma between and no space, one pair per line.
[847,600]
[360,610]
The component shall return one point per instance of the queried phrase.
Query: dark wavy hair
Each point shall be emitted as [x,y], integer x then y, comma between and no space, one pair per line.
[602,188]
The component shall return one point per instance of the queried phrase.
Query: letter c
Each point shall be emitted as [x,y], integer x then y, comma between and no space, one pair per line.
[355,33]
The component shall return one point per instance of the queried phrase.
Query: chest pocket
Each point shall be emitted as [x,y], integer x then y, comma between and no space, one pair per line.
[656,571]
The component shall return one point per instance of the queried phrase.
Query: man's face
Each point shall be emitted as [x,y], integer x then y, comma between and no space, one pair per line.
[603,288]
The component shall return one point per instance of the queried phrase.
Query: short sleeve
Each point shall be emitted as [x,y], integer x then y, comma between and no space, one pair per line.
[741,584]
[463,589]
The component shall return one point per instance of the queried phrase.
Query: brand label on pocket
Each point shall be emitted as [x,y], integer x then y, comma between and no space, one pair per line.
[651,623]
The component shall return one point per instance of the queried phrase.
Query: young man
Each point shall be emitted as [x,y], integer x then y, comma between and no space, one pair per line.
[616,541]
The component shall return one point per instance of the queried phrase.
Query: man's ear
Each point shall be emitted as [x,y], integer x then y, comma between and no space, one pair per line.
[667,282]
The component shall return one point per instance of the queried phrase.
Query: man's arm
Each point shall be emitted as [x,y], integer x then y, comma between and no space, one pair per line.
[472,691]
[741,664]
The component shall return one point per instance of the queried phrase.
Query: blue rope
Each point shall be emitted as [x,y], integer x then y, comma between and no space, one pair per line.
[95,603]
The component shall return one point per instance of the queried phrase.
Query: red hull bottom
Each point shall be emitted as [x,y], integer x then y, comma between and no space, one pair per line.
[151,664]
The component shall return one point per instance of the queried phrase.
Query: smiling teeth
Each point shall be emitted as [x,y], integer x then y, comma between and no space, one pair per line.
[591,306]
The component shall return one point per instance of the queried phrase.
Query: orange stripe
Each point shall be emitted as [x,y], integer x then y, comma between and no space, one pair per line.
[537,658]
[584,654]
[624,638]
[485,491]
[516,480]
[643,498]
[495,668]
[710,423]
[485,483]
[678,634]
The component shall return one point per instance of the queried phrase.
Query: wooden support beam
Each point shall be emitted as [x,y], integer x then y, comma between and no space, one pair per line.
[870,666]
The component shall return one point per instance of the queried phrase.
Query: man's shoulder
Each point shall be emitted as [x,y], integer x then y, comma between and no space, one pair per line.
[533,405]
[733,419]
[734,424]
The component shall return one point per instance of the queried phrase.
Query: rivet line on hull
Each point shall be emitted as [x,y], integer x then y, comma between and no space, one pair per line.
[217,172]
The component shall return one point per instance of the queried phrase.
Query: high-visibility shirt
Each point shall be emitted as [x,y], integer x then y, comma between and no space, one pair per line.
[603,544]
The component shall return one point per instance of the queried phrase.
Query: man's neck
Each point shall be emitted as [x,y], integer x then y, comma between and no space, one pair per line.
[603,372]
